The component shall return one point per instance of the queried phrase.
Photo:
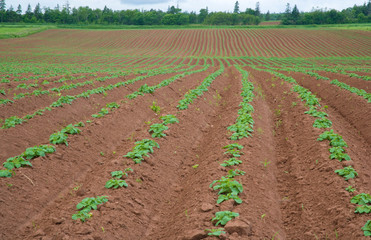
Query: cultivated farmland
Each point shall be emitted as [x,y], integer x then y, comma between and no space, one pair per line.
[186,134]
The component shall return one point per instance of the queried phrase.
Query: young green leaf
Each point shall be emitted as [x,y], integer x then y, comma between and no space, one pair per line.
[224,217]
[347,173]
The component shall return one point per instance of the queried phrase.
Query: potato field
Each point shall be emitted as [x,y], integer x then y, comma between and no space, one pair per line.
[186,134]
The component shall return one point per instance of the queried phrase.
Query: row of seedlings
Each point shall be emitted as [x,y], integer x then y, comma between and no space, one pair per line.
[337,145]
[63,100]
[228,186]
[141,150]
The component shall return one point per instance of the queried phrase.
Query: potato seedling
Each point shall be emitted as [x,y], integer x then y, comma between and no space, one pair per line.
[229,189]
[86,205]
[215,232]
[58,138]
[322,123]
[231,162]
[367,229]
[347,173]
[16,162]
[141,149]
[224,217]
[157,130]
[364,202]
[169,119]
[155,108]
[350,189]
[6,173]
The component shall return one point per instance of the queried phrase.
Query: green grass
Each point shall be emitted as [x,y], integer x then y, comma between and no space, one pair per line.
[17,31]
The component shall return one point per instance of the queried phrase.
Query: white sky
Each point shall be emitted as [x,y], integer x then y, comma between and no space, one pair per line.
[192,5]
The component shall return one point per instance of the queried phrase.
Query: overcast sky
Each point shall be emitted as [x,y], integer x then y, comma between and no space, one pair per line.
[192,5]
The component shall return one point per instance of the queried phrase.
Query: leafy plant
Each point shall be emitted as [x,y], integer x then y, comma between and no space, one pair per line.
[233,146]
[233,173]
[101,113]
[229,189]
[338,153]
[155,108]
[12,121]
[350,189]
[16,162]
[71,129]
[6,173]
[335,139]
[364,201]
[58,138]
[112,105]
[80,124]
[224,217]
[116,183]
[347,173]
[313,112]
[38,151]
[234,152]
[322,123]
[86,205]
[169,119]
[231,162]
[141,149]
[215,232]
[120,174]
[367,228]
[157,130]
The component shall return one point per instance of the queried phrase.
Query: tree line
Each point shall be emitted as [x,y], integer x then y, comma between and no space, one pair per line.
[355,14]
[87,15]
[175,16]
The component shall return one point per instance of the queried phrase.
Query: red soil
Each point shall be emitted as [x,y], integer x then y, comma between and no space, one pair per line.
[295,195]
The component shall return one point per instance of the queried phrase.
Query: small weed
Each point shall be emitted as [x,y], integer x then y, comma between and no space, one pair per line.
[265,163]
[263,216]
[101,153]
[9,185]
[293,104]
[195,166]
[277,112]
[260,131]
[138,180]
[278,123]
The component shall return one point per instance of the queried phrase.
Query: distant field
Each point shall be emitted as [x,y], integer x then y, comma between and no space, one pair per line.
[19,31]
[250,133]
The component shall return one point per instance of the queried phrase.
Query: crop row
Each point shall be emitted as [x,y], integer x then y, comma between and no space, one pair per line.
[194,93]
[228,186]
[337,144]
[61,136]
[80,84]
[359,92]
[13,121]
[141,150]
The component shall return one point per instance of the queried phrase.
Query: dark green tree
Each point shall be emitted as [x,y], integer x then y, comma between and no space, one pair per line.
[2,10]
[286,20]
[295,15]
[38,13]
[257,9]
[267,16]
[19,9]
[236,7]
[204,12]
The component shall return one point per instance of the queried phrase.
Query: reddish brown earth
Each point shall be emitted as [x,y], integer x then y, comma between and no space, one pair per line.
[290,188]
